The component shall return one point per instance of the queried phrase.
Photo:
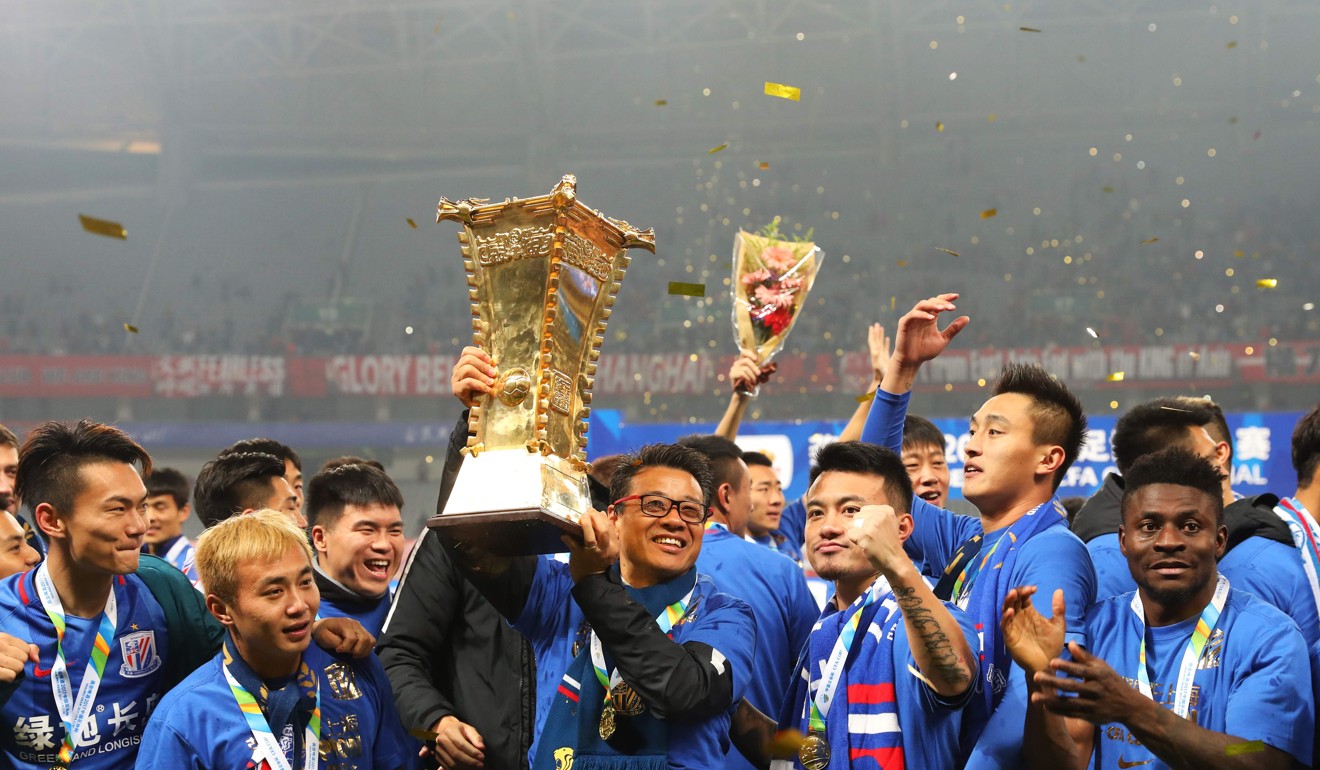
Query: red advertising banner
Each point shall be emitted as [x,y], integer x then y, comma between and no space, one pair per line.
[198,376]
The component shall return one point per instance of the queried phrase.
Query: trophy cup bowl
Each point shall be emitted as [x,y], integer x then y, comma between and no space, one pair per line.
[542,276]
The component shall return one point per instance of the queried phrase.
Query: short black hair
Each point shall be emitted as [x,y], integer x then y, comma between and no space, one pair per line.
[329,491]
[7,437]
[662,456]
[234,482]
[265,446]
[1154,425]
[725,457]
[1178,466]
[869,459]
[1056,414]
[336,462]
[1218,425]
[920,432]
[1306,447]
[168,481]
[757,458]
[50,461]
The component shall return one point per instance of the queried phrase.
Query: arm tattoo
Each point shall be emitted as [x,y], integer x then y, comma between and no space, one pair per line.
[936,642]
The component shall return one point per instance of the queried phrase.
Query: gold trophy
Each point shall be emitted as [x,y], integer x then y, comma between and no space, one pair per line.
[542,275]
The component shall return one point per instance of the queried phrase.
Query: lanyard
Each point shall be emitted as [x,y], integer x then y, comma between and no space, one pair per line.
[1191,654]
[267,744]
[667,619]
[1303,529]
[970,573]
[829,681]
[74,712]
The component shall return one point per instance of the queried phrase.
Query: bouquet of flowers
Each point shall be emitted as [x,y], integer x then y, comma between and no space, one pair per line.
[771,278]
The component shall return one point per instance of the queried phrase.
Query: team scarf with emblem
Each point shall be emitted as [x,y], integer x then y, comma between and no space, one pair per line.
[640,742]
[75,710]
[850,653]
[988,581]
[296,704]
[1306,536]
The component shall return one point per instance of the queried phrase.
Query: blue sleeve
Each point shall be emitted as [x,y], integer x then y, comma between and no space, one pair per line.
[802,612]
[793,523]
[730,630]
[163,746]
[1272,701]
[1052,560]
[884,421]
[393,748]
[548,600]
[1273,572]
[1112,576]
[936,535]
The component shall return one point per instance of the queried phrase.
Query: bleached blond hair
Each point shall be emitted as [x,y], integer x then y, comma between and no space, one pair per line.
[261,536]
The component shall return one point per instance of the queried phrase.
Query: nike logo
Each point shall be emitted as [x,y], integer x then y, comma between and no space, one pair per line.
[1123,764]
[42,673]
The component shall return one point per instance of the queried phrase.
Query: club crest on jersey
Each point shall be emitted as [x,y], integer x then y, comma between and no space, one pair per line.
[139,653]
[342,681]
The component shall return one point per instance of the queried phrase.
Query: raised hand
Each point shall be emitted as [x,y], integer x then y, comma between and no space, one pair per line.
[598,548]
[745,375]
[1031,638]
[876,530]
[473,375]
[878,344]
[919,337]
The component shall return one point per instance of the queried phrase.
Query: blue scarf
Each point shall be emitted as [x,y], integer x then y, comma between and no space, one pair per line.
[640,742]
[985,598]
[865,699]
[290,703]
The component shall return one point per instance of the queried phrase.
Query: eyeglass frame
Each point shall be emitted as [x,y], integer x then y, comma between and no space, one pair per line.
[673,506]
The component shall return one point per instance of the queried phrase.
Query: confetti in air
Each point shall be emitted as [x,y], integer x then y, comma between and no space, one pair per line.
[947,251]
[1249,747]
[783,91]
[989,213]
[130,328]
[1195,356]
[1091,332]
[721,148]
[1149,241]
[103,227]
[687,289]
[862,399]
[1115,377]
[411,223]
[661,102]
[939,127]
[763,165]
[1028,29]
[1267,283]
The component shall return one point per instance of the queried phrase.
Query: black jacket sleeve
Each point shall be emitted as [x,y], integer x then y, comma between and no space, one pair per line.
[671,678]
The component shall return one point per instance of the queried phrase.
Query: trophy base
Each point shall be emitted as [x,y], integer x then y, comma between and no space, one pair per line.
[508,533]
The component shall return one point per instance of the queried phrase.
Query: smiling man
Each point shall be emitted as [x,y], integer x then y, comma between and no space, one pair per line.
[167,509]
[357,532]
[924,461]
[768,503]
[15,554]
[1187,671]
[271,698]
[1023,439]
[652,656]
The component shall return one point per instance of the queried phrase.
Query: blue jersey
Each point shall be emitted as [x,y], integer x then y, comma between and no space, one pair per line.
[1112,576]
[370,614]
[793,523]
[1273,572]
[1253,681]
[782,606]
[554,624]
[778,542]
[198,724]
[133,681]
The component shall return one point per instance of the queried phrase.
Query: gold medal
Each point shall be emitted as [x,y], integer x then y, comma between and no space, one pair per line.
[607,725]
[626,701]
[814,754]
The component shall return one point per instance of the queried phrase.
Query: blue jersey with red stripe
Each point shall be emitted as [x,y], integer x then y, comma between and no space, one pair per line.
[30,728]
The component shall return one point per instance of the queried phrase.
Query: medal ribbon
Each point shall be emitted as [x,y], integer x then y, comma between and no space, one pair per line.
[1191,654]
[74,712]
[1303,529]
[267,744]
[829,681]
[667,619]
[969,574]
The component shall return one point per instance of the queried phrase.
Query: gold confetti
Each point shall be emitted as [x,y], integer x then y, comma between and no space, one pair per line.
[939,127]
[1149,241]
[422,734]
[661,102]
[862,399]
[687,289]
[950,253]
[1091,332]
[1232,44]
[901,263]
[130,328]
[783,91]
[1267,283]
[1195,356]
[1081,59]
[721,148]
[103,227]
[1239,253]
[1115,377]
[763,165]
[1250,747]
[989,213]
[1232,121]
[411,223]
[1028,29]
[893,302]
[1107,189]
[437,25]
[991,118]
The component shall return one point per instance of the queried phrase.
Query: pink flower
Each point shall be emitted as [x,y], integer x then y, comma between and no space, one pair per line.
[778,258]
[772,297]
[755,277]
[791,283]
